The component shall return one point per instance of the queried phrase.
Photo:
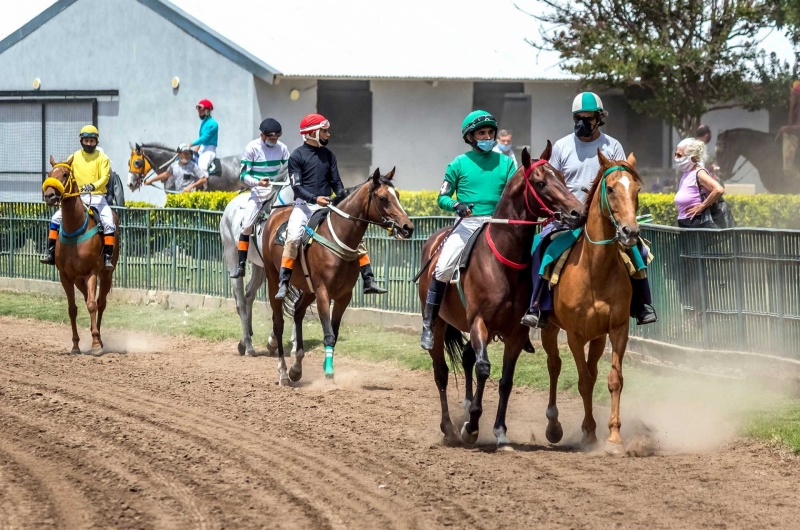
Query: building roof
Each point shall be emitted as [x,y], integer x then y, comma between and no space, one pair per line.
[366,39]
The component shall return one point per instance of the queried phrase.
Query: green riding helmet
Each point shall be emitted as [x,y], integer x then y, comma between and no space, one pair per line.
[474,121]
[588,102]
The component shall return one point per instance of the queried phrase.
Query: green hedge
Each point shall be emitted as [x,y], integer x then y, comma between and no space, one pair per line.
[766,211]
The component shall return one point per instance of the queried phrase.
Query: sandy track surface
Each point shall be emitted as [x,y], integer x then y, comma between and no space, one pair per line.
[182,433]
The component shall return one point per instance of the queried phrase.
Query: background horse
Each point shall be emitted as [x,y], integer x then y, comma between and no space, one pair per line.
[497,294]
[230,226]
[332,277]
[79,251]
[593,296]
[762,151]
[153,157]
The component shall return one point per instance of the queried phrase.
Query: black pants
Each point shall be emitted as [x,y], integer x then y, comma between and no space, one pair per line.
[696,222]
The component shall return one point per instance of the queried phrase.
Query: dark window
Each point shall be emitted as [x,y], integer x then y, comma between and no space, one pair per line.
[510,105]
[348,106]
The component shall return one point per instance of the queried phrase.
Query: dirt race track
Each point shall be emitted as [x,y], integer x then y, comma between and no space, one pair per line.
[182,433]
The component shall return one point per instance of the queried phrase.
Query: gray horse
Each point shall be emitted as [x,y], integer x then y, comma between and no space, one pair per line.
[154,157]
[762,150]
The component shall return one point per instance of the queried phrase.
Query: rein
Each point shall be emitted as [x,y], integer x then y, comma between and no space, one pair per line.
[65,191]
[528,188]
[604,205]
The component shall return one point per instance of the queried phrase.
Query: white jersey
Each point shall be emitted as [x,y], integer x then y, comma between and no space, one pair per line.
[260,160]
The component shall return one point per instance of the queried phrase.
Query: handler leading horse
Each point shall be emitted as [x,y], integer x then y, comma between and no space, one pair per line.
[79,251]
[496,288]
[331,277]
[593,295]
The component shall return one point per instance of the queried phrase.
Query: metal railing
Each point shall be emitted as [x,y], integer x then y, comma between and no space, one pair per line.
[713,289]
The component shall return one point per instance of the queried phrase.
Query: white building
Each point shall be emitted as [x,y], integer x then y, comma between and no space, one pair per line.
[394,78]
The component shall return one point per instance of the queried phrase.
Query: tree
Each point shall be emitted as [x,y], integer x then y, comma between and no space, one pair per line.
[787,16]
[673,59]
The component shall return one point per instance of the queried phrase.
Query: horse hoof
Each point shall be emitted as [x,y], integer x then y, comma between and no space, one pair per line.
[75,351]
[467,437]
[240,347]
[295,375]
[505,447]
[329,377]
[97,350]
[283,382]
[614,449]
[554,433]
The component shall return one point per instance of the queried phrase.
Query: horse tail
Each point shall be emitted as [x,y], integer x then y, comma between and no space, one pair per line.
[293,297]
[454,344]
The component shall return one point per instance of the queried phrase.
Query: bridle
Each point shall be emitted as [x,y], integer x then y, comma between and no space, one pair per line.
[387,223]
[140,166]
[65,190]
[605,205]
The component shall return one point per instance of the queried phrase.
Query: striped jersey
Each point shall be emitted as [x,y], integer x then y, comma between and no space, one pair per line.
[260,160]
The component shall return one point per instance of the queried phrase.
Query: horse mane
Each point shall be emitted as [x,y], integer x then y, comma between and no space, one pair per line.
[599,178]
[349,191]
[157,145]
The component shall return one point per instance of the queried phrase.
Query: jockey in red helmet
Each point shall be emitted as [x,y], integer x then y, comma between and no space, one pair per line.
[206,143]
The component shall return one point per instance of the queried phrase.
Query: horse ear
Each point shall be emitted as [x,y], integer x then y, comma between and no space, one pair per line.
[604,162]
[526,158]
[69,160]
[390,174]
[376,176]
[52,161]
[547,152]
[138,146]
[632,160]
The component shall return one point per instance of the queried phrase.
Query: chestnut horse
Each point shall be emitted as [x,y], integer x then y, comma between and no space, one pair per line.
[593,296]
[497,293]
[79,251]
[332,277]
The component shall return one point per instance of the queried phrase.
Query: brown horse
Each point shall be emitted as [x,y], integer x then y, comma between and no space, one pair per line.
[497,294]
[593,296]
[79,259]
[332,277]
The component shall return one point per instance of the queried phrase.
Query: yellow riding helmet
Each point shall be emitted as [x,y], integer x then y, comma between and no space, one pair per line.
[90,131]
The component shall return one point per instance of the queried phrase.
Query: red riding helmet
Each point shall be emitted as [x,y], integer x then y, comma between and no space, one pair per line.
[205,104]
[312,122]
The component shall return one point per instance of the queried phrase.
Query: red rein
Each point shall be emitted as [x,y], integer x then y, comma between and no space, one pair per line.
[528,187]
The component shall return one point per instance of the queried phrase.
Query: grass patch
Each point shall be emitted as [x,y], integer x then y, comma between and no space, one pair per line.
[772,417]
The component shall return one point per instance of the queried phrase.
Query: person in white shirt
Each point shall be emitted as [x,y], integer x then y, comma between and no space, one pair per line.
[504,145]
[188,175]
[264,159]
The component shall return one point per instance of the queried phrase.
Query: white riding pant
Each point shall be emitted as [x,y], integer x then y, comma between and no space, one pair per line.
[205,156]
[258,195]
[99,202]
[451,251]
[298,220]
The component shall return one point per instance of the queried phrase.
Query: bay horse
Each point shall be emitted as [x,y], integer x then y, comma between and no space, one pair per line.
[496,288]
[155,157]
[762,151]
[79,251]
[593,296]
[331,277]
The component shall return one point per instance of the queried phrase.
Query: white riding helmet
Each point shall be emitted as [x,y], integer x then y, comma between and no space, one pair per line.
[588,102]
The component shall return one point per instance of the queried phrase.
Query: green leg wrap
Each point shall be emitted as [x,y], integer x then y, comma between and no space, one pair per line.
[328,364]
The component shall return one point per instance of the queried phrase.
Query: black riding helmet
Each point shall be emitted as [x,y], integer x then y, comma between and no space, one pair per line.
[270,126]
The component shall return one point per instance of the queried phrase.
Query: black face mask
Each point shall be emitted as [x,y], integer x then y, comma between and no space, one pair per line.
[323,142]
[584,128]
[89,148]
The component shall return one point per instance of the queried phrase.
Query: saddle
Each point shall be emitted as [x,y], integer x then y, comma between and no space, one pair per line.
[215,168]
[466,254]
[315,220]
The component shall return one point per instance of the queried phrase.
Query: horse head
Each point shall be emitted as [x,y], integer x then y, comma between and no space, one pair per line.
[384,206]
[548,189]
[60,182]
[138,167]
[725,157]
[616,188]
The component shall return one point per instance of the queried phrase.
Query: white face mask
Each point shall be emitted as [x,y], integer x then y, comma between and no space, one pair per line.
[684,163]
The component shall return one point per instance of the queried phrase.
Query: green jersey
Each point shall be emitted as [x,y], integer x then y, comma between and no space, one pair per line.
[476,178]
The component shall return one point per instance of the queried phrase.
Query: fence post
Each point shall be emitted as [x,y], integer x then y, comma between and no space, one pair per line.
[174,275]
[11,243]
[738,289]
[781,309]
[148,254]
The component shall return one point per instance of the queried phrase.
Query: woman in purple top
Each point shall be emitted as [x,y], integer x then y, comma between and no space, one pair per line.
[697,190]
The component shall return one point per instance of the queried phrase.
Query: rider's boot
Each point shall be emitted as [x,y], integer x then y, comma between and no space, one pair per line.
[244,245]
[646,315]
[50,254]
[370,285]
[108,252]
[536,318]
[431,312]
[284,278]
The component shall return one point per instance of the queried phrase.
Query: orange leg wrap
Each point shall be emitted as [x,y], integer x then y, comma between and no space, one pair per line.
[53,234]
[363,260]
[287,263]
[108,240]
[244,245]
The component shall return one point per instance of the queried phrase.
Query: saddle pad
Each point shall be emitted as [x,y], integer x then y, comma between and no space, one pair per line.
[215,168]
[466,254]
[635,260]
[315,220]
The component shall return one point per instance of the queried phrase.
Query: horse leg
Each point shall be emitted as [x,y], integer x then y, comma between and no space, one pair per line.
[296,370]
[585,386]
[69,290]
[479,337]
[339,307]
[102,298]
[619,341]
[512,350]
[91,306]
[329,340]
[441,376]
[468,363]
[256,280]
[277,329]
[554,432]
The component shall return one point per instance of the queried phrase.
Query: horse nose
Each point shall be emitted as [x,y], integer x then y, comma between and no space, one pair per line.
[408,230]
[630,233]
[575,214]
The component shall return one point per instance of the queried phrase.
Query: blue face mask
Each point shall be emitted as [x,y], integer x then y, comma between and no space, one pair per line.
[504,147]
[485,145]
[270,143]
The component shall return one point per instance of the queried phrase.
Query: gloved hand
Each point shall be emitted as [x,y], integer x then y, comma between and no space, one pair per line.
[462,210]
[88,188]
